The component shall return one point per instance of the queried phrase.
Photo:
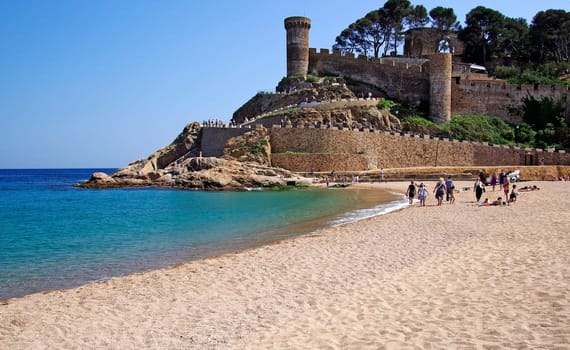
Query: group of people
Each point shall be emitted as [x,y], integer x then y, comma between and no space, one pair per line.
[442,188]
[500,179]
[510,196]
[213,123]
[446,189]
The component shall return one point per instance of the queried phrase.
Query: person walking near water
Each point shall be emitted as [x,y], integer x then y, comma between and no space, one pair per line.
[439,190]
[478,188]
[411,192]
[422,195]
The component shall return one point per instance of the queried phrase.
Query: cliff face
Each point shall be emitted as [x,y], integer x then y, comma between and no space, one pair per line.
[177,165]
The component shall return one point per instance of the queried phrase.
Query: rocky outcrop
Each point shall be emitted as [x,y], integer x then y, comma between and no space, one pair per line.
[267,102]
[244,165]
[185,145]
[246,159]
[351,117]
[206,173]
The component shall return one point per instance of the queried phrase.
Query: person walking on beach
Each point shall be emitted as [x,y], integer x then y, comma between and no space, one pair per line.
[478,188]
[506,186]
[451,194]
[448,185]
[502,177]
[411,192]
[439,190]
[422,195]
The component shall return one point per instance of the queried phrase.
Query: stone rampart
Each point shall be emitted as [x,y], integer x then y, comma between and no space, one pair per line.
[499,98]
[300,149]
[214,139]
[406,80]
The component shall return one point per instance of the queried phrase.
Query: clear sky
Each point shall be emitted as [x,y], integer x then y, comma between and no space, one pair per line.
[102,83]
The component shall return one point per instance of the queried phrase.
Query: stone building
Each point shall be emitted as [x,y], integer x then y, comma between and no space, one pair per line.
[417,81]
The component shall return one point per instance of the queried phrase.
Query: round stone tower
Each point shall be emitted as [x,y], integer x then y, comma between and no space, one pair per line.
[297,45]
[440,87]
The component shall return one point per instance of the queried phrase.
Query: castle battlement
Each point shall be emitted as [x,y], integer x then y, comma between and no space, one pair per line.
[398,63]
[406,135]
[501,86]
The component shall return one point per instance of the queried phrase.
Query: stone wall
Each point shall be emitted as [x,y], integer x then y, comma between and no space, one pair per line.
[499,98]
[326,150]
[319,162]
[403,79]
[213,140]
[408,80]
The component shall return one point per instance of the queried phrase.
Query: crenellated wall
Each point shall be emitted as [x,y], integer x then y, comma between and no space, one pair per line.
[499,98]
[415,81]
[299,149]
[403,79]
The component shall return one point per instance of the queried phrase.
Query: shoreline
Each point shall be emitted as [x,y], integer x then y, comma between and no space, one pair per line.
[443,277]
[293,226]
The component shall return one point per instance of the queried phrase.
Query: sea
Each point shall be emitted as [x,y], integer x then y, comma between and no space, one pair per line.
[54,235]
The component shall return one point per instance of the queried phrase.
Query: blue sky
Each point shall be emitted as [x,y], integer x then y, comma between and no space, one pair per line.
[102,83]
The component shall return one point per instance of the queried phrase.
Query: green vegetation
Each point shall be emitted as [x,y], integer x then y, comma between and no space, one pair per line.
[421,125]
[529,54]
[386,104]
[481,128]
[258,148]
[543,125]
[547,74]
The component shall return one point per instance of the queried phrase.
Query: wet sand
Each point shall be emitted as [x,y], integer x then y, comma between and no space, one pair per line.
[451,277]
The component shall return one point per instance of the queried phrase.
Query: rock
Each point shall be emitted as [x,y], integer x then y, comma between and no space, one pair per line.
[101,177]
[252,146]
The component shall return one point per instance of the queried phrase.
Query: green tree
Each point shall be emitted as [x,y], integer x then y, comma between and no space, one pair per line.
[482,34]
[366,36]
[377,32]
[396,11]
[550,34]
[444,21]
[352,39]
[514,42]
[525,134]
[539,112]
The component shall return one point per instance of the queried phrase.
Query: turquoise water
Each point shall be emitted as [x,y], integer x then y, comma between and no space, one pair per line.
[53,235]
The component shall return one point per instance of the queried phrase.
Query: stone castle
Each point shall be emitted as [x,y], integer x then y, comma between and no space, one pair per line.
[340,132]
[436,81]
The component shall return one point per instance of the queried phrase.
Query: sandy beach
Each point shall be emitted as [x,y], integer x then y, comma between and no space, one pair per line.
[451,277]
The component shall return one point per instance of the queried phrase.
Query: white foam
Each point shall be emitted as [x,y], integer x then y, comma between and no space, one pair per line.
[360,214]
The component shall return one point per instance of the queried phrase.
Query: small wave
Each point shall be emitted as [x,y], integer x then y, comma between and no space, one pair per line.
[360,214]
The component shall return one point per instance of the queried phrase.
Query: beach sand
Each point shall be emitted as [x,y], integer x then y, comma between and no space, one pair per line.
[451,277]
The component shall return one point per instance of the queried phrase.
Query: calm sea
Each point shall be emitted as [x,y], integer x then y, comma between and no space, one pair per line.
[53,235]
